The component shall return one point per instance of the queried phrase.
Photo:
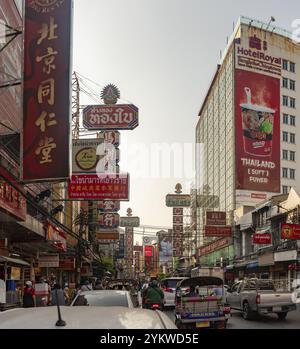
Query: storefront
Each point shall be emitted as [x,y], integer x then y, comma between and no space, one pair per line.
[218,253]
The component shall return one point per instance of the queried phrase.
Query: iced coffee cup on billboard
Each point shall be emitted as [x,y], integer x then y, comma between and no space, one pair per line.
[258,124]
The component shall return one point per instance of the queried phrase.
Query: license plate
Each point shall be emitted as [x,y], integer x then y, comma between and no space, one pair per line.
[202,324]
[277,309]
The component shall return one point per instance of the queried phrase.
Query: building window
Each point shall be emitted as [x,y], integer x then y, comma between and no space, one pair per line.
[284,172]
[285,189]
[292,85]
[285,64]
[285,82]
[285,119]
[292,67]
[285,136]
[292,138]
[285,155]
[285,101]
[292,173]
[292,156]
[292,102]
[292,120]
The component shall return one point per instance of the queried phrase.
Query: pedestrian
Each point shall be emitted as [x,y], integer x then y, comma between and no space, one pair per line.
[98,285]
[29,300]
[86,286]
[57,295]
[67,293]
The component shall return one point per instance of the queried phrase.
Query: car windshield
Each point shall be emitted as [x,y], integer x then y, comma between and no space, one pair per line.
[102,300]
[171,283]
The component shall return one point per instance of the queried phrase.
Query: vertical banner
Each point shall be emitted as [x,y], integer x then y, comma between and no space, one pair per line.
[257,132]
[47,90]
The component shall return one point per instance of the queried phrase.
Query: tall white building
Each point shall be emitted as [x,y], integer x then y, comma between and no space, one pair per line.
[247,128]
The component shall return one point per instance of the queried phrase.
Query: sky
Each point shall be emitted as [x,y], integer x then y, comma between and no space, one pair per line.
[162,55]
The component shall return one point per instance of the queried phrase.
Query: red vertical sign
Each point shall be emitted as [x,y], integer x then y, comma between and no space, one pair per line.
[47,89]
[257,131]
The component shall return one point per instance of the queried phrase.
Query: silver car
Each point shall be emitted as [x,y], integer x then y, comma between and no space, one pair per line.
[168,285]
[104,298]
[85,318]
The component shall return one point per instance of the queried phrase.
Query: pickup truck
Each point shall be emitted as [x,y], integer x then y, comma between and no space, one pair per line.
[259,297]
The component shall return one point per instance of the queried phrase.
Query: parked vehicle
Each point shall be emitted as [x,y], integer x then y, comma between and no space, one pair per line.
[200,303]
[257,296]
[104,298]
[168,285]
[85,318]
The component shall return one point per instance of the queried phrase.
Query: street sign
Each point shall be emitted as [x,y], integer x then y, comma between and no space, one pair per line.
[111,117]
[84,155]
[262,239]
[215,218]
[112,137]
[178,200]
[290,231]
[132,222]
[99,187]
[218,231]
[109,235]
[108,206]
[109,220]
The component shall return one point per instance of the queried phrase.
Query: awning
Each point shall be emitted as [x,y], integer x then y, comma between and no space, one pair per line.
[252,265]
[13,260]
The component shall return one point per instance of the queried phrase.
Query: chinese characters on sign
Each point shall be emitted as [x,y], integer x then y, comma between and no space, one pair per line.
[215,218]
[102,187]
[46,122]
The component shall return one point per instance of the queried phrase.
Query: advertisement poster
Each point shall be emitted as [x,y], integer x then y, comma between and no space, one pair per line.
[290,231]
[47,90]
[257,132]
[165,249]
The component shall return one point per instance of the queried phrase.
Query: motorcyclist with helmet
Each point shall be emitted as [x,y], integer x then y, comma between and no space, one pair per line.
[154,296]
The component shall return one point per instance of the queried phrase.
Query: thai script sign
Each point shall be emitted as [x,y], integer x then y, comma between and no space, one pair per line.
[101,187]
[111,117]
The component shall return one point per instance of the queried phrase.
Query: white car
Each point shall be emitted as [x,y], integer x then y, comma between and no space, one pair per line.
[169,287]
[104,298]
[85,318]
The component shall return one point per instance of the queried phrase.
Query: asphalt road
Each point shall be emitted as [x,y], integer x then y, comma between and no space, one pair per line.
[266,322]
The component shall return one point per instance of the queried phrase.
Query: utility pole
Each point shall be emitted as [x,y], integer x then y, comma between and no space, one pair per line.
[81,220]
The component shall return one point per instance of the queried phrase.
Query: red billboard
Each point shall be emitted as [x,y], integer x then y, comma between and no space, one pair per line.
[218,231]
[99,187]
[262,239]
[11,199]
[47,90]
[111,117]
[215,218]
[257,132]
[290,231]
[148,251]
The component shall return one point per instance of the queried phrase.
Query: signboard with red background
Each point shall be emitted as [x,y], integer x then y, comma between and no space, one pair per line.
[99,187]
[109,220]
[262,239]
[108,206]
[11,200]
[216,231]
[111,117]
[57,237]
[47,74]
[215,218]
[290,231]
[257,132]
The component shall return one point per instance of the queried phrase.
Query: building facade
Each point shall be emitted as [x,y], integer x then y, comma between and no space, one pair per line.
[247,149]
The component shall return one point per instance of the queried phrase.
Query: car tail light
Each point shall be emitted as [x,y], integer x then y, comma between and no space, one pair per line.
[155,306]
[258,299]
[169,290]
[227,310]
